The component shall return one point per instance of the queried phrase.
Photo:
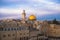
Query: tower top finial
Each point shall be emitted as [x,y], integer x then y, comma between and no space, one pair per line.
[23,11]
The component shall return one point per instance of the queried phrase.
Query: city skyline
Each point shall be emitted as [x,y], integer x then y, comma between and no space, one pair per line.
[43,9]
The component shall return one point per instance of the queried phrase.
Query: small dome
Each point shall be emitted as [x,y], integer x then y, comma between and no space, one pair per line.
[32,17]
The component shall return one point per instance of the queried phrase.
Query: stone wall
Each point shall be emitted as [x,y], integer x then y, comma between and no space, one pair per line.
[54,30]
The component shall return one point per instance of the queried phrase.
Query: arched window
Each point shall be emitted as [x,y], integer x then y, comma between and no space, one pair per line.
[5,29]
[19,28]
[8,29]
[13,34]
[9,35]
[4,35]
[20,39]
[1,29]
[12,29]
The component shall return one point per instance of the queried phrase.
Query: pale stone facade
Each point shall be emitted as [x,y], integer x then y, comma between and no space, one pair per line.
[14,30]
[54,30]
[27,30]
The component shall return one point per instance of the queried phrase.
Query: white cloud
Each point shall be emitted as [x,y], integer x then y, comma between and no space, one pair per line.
[10,11]
[46,4]
[11,0]
[41,7]
[29,11]
[10,17]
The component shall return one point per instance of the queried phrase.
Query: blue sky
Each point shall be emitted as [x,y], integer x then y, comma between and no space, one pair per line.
[43,9]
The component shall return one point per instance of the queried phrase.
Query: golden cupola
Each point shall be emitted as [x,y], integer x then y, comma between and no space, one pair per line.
[32,17]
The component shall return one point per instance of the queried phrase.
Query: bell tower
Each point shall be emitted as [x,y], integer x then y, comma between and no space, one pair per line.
[23,15]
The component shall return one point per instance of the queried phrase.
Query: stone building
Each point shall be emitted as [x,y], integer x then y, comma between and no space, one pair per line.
[54,30]
[13,31]
[21,29]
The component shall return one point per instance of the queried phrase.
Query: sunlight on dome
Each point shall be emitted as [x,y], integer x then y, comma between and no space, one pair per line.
[32,17]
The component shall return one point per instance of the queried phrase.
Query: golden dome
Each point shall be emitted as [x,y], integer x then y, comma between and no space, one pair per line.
[32,17]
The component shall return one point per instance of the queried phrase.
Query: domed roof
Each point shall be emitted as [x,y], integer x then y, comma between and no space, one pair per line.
[32,17]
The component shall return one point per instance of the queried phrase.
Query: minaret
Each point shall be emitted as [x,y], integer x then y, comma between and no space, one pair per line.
[23,16]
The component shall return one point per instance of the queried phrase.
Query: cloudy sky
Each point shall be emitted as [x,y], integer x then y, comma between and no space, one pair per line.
[43,9]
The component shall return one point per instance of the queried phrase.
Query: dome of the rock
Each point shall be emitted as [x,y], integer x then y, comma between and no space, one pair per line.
[32,17]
